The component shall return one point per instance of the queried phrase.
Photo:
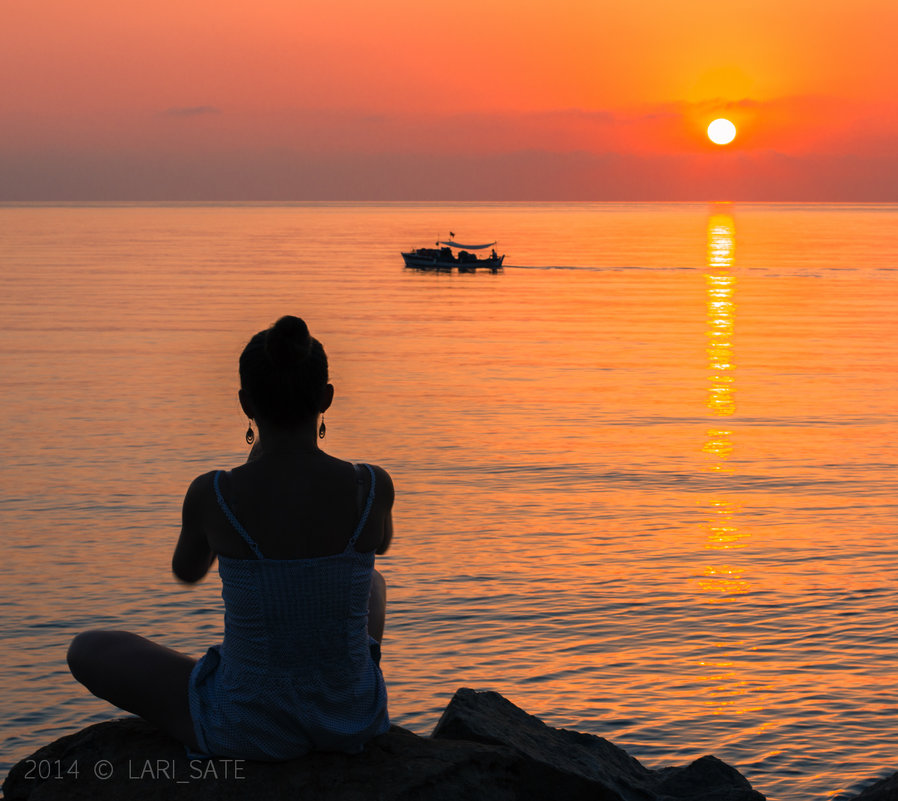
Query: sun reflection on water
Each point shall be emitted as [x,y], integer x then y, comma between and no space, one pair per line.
[722,533]
[730,689]
[720,285]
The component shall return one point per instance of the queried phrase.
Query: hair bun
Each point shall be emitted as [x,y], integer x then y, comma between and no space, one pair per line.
[288,341]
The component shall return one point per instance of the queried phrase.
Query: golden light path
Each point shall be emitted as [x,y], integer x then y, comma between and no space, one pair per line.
[723,534]
[731,689]
[721,132]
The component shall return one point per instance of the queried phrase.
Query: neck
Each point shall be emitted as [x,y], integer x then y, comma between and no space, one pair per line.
[302,438]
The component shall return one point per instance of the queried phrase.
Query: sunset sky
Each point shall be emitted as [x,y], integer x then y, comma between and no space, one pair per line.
[469,100]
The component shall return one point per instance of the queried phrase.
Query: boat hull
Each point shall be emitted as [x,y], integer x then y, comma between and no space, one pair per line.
[423,260]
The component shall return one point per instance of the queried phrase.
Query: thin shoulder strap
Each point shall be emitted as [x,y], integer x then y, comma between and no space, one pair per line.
[367,510]
[233,520]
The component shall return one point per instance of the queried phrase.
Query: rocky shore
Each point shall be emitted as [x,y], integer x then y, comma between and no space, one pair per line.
[484,747]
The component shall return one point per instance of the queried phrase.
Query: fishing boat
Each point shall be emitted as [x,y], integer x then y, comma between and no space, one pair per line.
[451,255]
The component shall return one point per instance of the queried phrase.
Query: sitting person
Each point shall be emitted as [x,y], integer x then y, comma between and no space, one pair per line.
[295,532]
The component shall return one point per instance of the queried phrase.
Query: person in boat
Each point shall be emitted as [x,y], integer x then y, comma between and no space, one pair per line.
[295,532]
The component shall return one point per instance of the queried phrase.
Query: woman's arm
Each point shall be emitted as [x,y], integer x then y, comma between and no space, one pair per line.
[387,535]
[385,495]
[193,557]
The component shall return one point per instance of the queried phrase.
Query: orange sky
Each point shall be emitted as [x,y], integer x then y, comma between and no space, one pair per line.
[478,99]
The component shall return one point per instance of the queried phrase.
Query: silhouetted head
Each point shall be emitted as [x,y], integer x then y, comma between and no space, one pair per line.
[283,373]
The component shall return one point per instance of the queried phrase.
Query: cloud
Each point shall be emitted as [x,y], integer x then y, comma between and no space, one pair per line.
[791,148]
[790,124]
[264,175]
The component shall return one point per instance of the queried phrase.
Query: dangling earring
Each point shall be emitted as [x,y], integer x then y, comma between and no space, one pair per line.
[250,436]
[322,429]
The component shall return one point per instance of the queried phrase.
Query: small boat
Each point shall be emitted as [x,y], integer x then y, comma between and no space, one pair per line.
[444,257]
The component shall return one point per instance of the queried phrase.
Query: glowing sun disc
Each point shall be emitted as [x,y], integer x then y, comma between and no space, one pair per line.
[721,132]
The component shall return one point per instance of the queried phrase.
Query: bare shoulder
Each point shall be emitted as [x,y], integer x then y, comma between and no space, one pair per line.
[201,489]
[202,482]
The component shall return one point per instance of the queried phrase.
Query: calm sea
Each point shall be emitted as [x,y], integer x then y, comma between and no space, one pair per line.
[645,477]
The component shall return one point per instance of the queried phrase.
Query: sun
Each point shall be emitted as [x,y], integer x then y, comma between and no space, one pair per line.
[721,132]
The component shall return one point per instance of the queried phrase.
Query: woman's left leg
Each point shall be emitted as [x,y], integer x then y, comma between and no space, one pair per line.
[137,675]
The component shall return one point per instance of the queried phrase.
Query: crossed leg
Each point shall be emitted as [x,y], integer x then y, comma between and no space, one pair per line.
[150,680]
[137,675]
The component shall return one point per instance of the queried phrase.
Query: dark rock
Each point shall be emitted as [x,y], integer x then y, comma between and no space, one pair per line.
[136,762]
[884,790]
[705,779]
[484,747]
[488,718]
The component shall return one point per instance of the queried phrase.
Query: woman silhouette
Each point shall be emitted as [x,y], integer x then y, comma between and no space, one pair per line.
[295,532]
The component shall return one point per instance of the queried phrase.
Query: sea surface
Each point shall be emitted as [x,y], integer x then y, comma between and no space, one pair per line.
[646,476]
